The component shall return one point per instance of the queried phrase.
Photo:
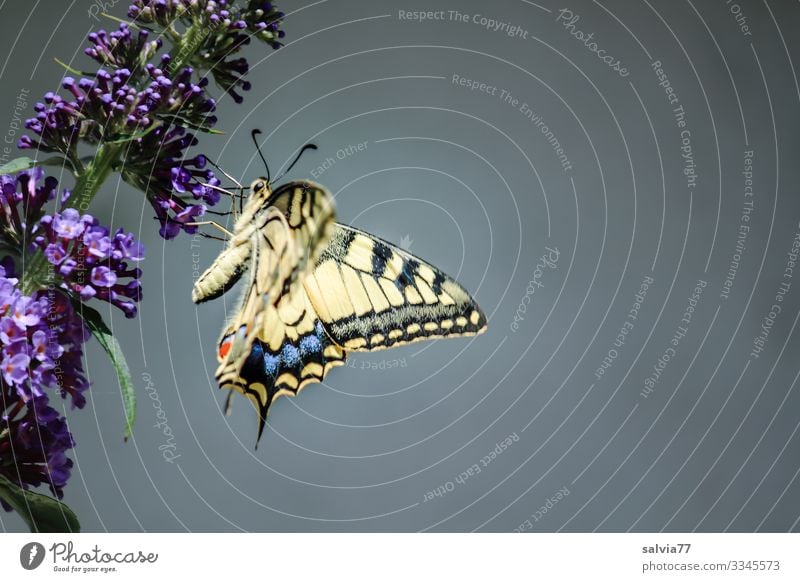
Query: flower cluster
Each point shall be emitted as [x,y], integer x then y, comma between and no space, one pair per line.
[259,18]
[121,49]
[144,101]
[42,340]
[90,261]
[22,200]
[157,165]
[226,29]
[110,107]
[135,113]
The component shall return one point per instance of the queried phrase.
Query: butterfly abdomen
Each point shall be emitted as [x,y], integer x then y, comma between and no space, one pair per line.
[223,273]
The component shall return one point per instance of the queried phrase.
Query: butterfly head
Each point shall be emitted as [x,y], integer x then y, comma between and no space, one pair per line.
[257,199]
[260,193]
[261,189]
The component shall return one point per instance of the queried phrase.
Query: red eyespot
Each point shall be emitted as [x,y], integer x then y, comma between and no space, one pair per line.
[225,347]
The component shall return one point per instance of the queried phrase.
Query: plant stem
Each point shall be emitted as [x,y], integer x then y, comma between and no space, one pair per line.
[89,182]
[186,45]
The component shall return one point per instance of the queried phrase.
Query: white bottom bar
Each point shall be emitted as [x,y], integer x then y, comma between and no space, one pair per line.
[355,557]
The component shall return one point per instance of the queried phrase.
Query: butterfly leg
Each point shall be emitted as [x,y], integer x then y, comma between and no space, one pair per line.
[212,237]
[211,223]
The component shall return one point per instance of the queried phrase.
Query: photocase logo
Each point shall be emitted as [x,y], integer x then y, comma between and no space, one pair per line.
[31,555]
[406,242]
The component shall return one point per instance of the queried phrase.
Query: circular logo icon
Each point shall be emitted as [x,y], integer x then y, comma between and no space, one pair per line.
[31,555]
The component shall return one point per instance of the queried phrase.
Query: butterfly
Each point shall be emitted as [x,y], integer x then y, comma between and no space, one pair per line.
[316,291]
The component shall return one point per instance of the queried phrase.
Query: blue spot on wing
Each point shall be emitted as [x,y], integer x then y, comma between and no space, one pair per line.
[290,355]
[310,344]
[264,365]
[271,364]
[258,359]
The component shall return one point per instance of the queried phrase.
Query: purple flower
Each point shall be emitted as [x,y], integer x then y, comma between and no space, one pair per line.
[22,200]
[97,243]
[55,253]
[33,441]
[119,101]
[41,346]
[92,263]
[138,105]
[47,350]
[15,368]
[103,277]
[24,312]
[10,332]
[121,48]
[68,224]
[264,21]
[232,28]
[156,164]
[127,247]
[149,100]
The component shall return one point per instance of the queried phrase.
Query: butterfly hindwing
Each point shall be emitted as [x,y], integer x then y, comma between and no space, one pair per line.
[373,295]
[282,359]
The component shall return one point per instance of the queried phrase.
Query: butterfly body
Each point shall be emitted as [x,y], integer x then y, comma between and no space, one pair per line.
[317,290]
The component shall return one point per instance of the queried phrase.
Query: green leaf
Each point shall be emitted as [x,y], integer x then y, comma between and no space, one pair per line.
[42,513]
[110,344]
[17,165]
[71,69]
[24,163]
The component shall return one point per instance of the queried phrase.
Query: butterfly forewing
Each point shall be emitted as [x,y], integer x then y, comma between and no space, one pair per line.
[372,295]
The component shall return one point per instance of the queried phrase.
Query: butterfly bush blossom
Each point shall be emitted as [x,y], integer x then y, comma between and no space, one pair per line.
[92,262]
[110,104]
[41,353]
[140,111]
[42,335]
[149,99]
[42,340]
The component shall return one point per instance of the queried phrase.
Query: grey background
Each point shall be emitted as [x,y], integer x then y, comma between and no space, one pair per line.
[478,190]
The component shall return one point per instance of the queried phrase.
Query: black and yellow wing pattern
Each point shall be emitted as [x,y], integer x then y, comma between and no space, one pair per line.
[372,295]
[275,345]
[317,290]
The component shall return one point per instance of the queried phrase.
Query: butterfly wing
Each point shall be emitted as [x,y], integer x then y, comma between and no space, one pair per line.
[281,359]
[371,295]
[318,289]
[275,343]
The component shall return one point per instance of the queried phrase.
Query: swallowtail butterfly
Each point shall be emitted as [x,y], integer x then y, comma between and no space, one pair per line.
[317,290]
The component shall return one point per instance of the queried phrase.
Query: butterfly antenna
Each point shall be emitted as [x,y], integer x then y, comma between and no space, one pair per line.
[308,146]
[253,134]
